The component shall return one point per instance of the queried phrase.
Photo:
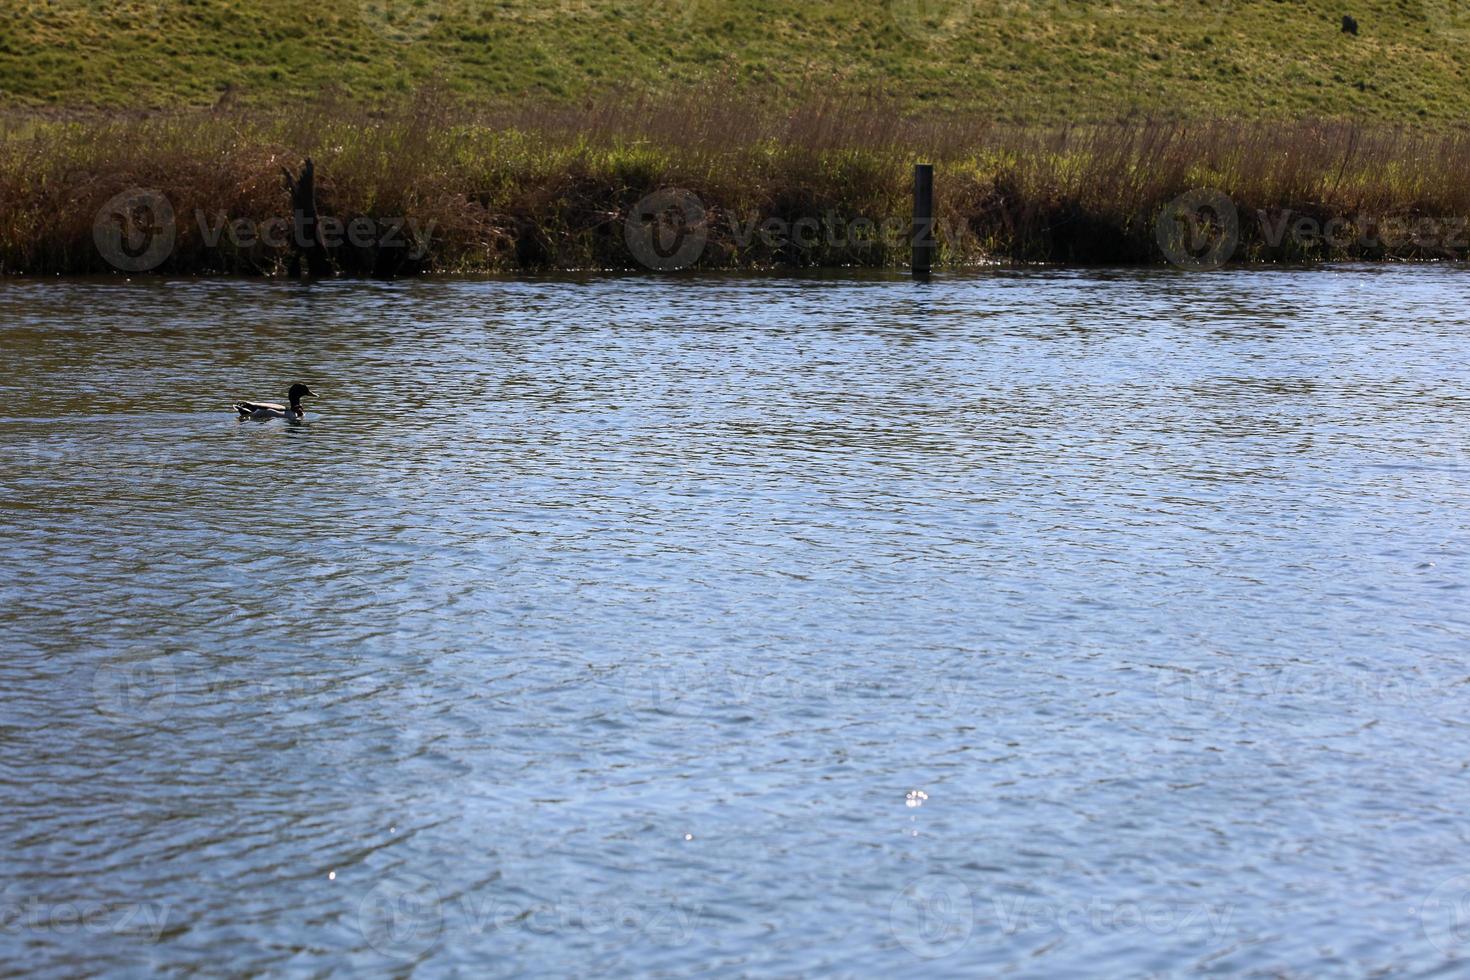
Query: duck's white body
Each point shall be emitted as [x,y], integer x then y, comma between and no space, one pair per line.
[260,411]
[267,410]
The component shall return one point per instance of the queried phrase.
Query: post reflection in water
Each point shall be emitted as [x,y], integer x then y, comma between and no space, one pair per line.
[1037,621]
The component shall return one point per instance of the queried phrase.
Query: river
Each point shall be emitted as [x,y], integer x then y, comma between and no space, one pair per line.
[1037,622]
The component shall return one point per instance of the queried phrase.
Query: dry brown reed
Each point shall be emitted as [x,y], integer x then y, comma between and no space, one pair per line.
[525,187]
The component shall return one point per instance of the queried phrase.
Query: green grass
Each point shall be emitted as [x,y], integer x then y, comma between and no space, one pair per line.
[1016,60]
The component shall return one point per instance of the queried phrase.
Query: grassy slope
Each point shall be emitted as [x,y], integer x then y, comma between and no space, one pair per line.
[1022,59]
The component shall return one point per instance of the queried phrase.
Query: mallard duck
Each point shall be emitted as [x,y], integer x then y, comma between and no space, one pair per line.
[271,410]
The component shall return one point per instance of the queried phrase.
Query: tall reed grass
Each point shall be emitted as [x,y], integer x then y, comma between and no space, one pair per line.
[529,187]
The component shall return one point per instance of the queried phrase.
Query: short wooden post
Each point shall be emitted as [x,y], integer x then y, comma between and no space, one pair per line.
[306,232]
[924,242]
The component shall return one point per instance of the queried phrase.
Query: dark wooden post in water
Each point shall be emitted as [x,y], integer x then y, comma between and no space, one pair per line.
[306,230]
[924,242]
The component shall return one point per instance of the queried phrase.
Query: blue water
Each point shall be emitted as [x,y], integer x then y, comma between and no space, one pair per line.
[1041,623]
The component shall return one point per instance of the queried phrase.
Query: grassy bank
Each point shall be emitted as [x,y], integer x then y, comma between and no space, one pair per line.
[1018,60]
[824,183]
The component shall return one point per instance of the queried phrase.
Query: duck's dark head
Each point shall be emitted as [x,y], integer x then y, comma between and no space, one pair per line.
[300,391]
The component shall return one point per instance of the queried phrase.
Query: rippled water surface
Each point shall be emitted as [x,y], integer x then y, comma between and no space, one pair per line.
[1044,623]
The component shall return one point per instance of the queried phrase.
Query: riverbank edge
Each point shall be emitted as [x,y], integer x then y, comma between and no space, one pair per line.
[434,187]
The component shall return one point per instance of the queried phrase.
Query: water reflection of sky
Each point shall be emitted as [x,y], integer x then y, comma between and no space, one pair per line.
[611,624]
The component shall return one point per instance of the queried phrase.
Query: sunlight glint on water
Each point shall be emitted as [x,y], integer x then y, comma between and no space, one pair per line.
[1045,622]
